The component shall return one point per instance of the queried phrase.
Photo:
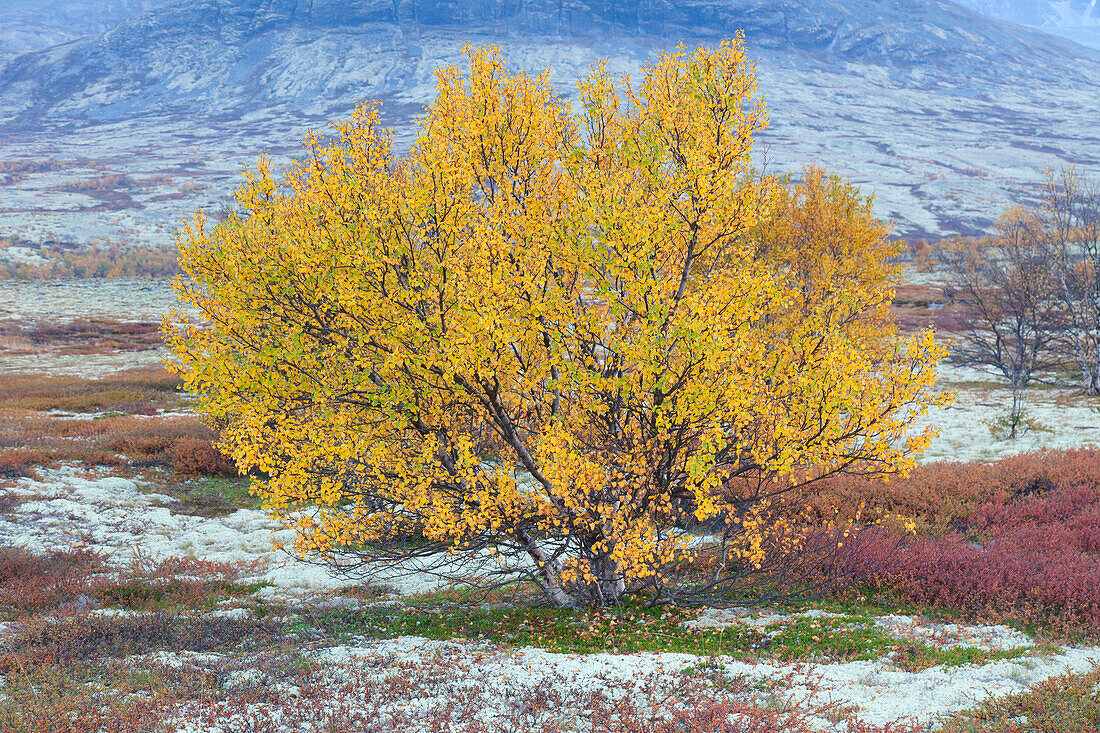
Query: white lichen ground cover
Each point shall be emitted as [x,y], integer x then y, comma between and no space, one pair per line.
[1063,418]
[873,691]
[113,516]
[878,690]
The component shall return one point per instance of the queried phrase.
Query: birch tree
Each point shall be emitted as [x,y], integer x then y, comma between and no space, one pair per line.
[1071,211]
[530,342]
[1009,283]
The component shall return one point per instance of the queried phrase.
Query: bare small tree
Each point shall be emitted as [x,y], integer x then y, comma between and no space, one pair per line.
[1008,285]
[1071,220]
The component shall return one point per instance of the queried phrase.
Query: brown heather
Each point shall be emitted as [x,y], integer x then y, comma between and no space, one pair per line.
[68,582]
[124,427]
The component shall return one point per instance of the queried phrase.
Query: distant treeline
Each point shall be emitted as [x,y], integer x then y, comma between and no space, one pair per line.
[95,261]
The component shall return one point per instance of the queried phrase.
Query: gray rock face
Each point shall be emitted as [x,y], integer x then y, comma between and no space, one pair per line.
[29,25]
[946,115]
[1040,13]
[228,56]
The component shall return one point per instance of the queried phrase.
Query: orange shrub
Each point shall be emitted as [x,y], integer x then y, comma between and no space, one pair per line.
[18,461]
[200,457]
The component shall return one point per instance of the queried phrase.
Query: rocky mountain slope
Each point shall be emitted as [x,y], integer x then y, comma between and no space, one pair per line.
[1078,20]
[29,25]
[228,56]
[944,114]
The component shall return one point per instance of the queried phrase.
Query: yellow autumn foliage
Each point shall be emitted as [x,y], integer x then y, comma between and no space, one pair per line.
[548,334]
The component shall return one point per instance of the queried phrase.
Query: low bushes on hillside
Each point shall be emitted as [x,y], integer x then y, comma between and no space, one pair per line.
[32,583]
[182,444]
[129,391]
[95,261]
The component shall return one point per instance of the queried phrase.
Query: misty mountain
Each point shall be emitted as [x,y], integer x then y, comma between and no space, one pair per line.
[1078,20]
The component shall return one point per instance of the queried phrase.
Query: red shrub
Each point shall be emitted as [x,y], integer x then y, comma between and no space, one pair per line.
[19,461]
[1029,558]
[33,583]
[942,496]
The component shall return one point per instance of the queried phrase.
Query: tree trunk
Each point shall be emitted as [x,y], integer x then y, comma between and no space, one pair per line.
[552,586]
[609,585]
[1015,415]
[1090,372]
[1093,386]
[548,572]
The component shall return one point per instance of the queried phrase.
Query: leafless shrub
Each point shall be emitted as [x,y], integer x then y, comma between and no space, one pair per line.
[1008,283]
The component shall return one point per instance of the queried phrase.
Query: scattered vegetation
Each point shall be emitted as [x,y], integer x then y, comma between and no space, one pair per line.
[80,698]
[82,336]
[13,171]
[286,694]
[88,261]
[114,421]
[136,392]
[89,637]
[80,581]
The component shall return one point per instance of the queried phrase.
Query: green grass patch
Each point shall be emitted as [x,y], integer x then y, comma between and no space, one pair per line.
[208,496]
[917,657]
[631,629]
[636,628]
[884,602]
[847,638]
